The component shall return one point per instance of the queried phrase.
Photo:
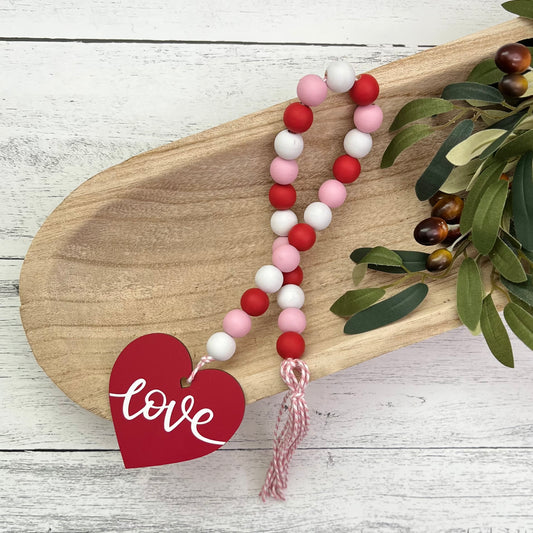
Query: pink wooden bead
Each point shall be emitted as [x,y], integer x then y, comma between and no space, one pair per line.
[279,242]
[286,257]
[332,193]
[312,90]
[368,118]
[292,319]
[283,171]
[237,323]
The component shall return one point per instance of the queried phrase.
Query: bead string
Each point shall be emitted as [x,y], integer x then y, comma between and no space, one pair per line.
[285,275]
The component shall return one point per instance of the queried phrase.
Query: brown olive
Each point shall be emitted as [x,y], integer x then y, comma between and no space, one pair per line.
[431,231]
[439,260]
[453,233]
[513,57]
[438,196]
[513,85]
[448,208]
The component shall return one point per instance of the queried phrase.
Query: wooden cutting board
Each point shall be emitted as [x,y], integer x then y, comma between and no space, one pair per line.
[168,240]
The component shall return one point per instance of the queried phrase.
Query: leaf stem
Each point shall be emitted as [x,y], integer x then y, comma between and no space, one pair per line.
[494,278]
[459,239]
[398,281]
[501,289]
[452,120]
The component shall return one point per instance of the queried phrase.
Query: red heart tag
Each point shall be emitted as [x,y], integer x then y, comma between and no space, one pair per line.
[157,421]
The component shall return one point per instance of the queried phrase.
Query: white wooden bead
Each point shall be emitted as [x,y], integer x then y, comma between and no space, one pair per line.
[269,278]
[288,145]
[357,144]
[282,221]
[340,76]
[317,215]
[291,296]
[221,346]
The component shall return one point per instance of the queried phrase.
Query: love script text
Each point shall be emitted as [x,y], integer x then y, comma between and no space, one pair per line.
[152,410]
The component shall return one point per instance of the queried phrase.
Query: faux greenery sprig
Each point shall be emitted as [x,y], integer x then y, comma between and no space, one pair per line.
[487,159]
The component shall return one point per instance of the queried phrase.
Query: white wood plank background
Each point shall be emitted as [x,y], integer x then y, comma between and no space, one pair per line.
[434,437]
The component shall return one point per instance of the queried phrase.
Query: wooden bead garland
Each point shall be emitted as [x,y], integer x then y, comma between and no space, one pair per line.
[284,275]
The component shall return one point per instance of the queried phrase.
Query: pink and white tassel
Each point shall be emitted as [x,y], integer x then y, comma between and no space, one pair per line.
[287,438]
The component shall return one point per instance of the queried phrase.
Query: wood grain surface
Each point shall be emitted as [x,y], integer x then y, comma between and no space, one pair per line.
[168,240]
[433,437]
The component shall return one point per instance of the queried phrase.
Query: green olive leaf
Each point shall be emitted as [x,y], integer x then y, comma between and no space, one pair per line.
[469,293]
[490,174]
[405,138]
[379,255]
[477,330]
[485,72]
[486,163]
[460,177]
[522,291]
[520,322]
[486,222]
[509,122]
[473,146]
[494,145]
[421,108]
[506,262]
[522,200]
[507,214]
[387,311]
[482,166]
[358,273]
[472,91]
[478,103]
[439,169]
[523,8]
[495,333]
[520,303]
[411,260]
[492,116]
[517,146]
[507,237]
[356,300]
[527,123]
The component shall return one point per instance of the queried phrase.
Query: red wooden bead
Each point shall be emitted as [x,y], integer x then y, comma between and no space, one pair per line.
[254,302]
[295,277]
[346,168]
[298,117]
[282,196]
[290,344]
[365,90]
[302,236]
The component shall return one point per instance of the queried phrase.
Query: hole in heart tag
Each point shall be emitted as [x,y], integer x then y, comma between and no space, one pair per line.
[157,421]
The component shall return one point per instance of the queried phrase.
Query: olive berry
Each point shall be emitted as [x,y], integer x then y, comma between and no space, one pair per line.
[453,234]
[439,260]
[439,195]
[513,85]
[431,231]
[513,57]
[448,208]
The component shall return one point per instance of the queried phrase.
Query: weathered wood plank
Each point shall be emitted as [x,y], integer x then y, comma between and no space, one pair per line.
[364,491]
[75,109]
[346,22]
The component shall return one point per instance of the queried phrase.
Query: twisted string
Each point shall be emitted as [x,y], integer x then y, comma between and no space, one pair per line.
[206,359]
[293,431]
